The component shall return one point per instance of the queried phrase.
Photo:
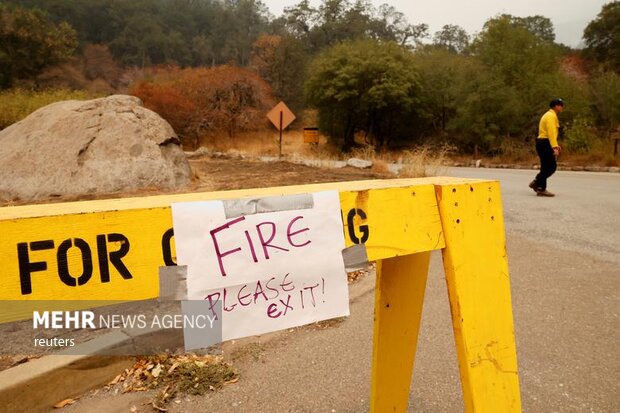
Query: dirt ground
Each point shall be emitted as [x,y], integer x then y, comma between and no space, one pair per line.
[223,174]
[227,174]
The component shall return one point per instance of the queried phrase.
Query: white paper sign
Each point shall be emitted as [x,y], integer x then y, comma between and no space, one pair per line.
[270,271]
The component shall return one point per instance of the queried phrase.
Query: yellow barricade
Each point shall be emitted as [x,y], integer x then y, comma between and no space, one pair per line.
[118,246]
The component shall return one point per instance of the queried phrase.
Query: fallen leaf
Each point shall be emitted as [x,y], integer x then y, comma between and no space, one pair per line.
[64,403]
[116,380]
[161,409]
[174,366]
[156,371]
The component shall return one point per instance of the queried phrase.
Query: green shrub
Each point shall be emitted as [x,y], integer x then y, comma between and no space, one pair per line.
[579,136]
[16,104]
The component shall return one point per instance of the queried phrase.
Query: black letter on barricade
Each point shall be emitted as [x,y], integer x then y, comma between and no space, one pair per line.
[26,268]
[166,247]
[363,228]
[63,262]
[115,256]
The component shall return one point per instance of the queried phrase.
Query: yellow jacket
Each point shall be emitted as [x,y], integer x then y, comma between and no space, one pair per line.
[549,127]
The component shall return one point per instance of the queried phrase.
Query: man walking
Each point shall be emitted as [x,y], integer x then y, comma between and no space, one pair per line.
[547,147]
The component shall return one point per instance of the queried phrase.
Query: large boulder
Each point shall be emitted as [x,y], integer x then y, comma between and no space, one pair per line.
[96,146]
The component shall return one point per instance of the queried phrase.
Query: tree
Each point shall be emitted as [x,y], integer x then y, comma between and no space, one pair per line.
[488,110]
[441,75]
[147,32]
[452,38]
[171,103]
[99,63]
[606,99]
[539,26]
[203,101]
[516,54]
[520,73]
[30,42]
[340,20]
[299,19]
[243,21]
[391,24]
[602,36]
[93,20]
[364,86]
[282,61]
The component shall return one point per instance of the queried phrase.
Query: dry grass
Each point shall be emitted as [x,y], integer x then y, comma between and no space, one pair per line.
[601,153]
[424,161]
[509,152]
[379,166]
[16,104]
[371,154]
[265,142]
[366,152]
[185,374]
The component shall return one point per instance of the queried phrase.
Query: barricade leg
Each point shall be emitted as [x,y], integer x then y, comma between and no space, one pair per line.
[399,295]
[476,269]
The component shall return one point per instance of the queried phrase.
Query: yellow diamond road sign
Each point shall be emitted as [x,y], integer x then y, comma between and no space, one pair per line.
[281,116]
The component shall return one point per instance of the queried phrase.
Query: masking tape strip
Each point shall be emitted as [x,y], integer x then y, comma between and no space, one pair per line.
[355,257]
[173,283]
[235,208]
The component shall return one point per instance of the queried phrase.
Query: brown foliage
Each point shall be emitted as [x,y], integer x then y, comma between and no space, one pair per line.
[263,57]
[95,71]
[168,101]
[99,64]
[200,102]
[62,76]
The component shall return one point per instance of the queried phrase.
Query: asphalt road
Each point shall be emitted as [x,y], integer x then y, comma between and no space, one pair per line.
[564,254]
[583,217]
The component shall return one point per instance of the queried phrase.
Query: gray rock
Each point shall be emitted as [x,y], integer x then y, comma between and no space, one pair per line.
[322,163]
[359,163]
[395,168]
[198,153]
[84,147]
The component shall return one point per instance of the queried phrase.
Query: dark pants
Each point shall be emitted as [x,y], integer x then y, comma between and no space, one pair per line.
[548,164]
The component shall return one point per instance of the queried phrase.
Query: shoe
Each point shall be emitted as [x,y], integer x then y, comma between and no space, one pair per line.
[534,187]
[545,193]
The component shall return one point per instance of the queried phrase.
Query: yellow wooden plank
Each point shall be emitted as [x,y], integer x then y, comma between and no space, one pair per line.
[399,295]
[405,220]
[107,250]
[162,201]
[479,289]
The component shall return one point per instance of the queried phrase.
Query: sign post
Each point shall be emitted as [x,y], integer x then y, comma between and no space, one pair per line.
[281,117]
[311,135]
